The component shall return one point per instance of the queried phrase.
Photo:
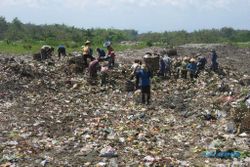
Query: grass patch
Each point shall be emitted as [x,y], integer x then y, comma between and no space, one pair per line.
[242,44]
[29,47]
[18,47]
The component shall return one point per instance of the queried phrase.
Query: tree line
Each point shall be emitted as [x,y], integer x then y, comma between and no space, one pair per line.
[18,31]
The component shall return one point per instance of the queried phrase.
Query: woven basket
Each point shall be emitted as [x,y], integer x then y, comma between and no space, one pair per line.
[152,63]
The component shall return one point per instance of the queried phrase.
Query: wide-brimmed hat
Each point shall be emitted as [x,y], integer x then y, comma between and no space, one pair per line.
[146,56]
[192,60]
[106,44]
[148,53]
[186,58]
[87,42]
[198,54]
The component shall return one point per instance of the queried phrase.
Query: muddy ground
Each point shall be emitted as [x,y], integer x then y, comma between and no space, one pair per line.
[52,118]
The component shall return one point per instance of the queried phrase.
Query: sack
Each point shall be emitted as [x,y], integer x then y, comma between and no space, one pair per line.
[172,52]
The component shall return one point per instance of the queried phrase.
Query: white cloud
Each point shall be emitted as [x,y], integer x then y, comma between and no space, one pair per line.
[202,4]
[30,3]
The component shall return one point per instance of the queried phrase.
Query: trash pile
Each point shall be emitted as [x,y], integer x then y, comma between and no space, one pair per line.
[50,117]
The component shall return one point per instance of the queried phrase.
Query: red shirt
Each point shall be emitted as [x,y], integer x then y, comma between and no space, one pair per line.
[111,52]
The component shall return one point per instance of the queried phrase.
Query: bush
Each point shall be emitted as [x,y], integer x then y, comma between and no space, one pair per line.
[149,43]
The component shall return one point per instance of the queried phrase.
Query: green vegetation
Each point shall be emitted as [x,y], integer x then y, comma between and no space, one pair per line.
[16,37]
[23,47]
[242,44]
[19,47]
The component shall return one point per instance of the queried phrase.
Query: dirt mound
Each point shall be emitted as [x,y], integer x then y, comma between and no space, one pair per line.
[236,58]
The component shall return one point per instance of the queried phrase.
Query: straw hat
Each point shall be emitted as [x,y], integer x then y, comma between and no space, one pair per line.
[198,54]
[146,56]
[87,42]
[185,58]
[192,60]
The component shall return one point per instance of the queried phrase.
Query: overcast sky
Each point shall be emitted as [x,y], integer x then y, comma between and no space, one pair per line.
[141,15]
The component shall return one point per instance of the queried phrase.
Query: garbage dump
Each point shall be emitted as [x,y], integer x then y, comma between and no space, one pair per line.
[50,117]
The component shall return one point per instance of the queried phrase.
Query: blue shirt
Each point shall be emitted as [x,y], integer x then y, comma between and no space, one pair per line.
[61,46]
[192,67]
[144,77]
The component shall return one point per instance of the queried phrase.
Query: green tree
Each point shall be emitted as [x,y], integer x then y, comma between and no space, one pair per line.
[15,30]
[72,36]
[3,27]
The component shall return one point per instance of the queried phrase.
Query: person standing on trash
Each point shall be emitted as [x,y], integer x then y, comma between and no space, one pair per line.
[168,62]
[184,64]
[214,63]
[144,82]
[61,50]
[46,52]
[192,68]
[94,66]
[104,75]
[136,66]
[87,53]
[111,53]
[101,54]
[201,63]
[177,66]
[162,68]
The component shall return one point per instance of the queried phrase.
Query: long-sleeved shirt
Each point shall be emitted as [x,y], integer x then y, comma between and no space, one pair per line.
[184,65]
